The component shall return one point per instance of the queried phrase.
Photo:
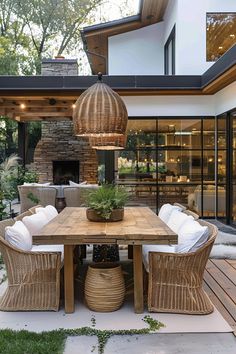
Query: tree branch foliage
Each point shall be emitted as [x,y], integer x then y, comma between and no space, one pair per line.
[31,29]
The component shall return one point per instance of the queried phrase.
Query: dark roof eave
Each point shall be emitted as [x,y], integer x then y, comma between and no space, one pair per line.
[111,24]
[67,83]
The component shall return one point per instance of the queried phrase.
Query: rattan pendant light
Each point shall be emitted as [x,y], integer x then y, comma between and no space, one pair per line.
[116,142]
[100,112]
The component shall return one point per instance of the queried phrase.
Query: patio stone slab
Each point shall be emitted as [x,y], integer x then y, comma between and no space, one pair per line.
[82,344]
[207,343]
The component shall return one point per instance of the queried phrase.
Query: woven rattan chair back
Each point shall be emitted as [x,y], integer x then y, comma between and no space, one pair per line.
[22,215]
[25,193]
[189,212]
[47,195]
[4,224]
[72,196]
[175,279]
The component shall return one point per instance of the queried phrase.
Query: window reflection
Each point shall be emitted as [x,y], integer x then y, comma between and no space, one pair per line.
[220,34]
[169,160]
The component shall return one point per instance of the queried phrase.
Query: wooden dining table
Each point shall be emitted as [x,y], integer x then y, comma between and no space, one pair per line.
[71,227]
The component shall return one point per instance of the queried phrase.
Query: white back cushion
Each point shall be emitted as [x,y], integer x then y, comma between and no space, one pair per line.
[191,236]
[18,236]
[166,210]
[176,220]
[35,222]
[50,212]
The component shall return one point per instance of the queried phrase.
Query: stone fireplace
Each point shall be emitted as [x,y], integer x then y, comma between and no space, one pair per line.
[65,171]
[58,142]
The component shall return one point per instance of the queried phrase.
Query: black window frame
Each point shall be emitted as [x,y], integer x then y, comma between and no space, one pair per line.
[170,41]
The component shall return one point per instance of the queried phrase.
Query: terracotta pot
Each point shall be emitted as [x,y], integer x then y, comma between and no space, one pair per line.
[116,215]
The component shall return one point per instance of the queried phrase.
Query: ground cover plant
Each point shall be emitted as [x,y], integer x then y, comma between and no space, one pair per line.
[53,342]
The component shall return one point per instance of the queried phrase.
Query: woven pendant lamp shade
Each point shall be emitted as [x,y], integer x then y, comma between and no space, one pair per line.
[116,142]
[99,111]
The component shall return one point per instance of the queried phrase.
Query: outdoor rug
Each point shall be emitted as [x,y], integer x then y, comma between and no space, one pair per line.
[123,319]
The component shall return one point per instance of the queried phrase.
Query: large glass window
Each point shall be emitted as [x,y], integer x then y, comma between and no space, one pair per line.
[233,168]
[170,160]
[220,34]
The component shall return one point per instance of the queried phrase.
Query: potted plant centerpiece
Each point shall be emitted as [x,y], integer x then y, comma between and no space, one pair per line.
[107,203]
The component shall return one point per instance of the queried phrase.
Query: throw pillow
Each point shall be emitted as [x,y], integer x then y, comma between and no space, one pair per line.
[35,222]
[191,236]
[176,220]
[18,236]
[166,210]
[50,211]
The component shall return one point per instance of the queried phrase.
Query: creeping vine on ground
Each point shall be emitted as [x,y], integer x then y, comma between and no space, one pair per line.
[104,335]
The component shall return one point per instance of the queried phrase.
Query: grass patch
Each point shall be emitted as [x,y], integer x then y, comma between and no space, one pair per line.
[53,342]
[24,342]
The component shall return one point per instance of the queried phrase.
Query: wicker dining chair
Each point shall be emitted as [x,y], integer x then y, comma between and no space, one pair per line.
[72,196]
[190,212]
[33,277]
[175,279]
[22,215]
[43,195]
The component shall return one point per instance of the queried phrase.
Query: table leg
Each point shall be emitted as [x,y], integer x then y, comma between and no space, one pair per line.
[138,278]
[69,278]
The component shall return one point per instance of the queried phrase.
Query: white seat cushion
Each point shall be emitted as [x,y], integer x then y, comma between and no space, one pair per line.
[166,210]
[155,248]
[49,248]
[176,220]
[50,211]
[35,222]
[191,236]
[18,236]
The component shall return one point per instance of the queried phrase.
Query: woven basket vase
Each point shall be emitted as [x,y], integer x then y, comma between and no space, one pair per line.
[104,287]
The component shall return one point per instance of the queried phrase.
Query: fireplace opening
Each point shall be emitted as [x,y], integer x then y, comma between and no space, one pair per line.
[65,171]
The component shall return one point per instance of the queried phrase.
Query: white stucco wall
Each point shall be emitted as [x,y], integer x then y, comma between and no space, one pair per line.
[225,99]
[191,33]
[170,19]
[170,105]
[139,52]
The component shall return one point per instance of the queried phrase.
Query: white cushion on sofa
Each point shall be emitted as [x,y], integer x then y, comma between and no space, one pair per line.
[155,248]
[191,236]
[35,222]
[166,210]
[18,236]
[50,211]
[176,220]
[49,248]
[74,184]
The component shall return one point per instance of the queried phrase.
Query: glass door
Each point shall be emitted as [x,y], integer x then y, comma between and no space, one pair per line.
[233,170]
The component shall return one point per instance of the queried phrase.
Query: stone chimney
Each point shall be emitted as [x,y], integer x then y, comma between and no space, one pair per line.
[59,67]
[58,142]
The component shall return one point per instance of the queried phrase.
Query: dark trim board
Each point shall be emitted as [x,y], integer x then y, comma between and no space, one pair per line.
[221,74]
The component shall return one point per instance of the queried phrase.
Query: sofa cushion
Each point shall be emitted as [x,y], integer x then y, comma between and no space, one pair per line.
[166,210]
[176,220]
[35,222]
[18,236]
[73,184]
[50,211]
[191,236]
[49,248]
[155,248]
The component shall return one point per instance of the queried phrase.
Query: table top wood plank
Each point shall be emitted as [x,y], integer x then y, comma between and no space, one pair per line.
[140,225]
